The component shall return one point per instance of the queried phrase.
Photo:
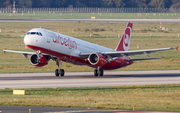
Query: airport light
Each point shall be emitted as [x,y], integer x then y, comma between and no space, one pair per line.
[14,9]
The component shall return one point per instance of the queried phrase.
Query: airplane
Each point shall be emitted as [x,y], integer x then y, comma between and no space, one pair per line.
[62,48]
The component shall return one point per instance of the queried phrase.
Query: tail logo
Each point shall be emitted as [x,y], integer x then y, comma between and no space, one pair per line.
[124,42]
[127,38]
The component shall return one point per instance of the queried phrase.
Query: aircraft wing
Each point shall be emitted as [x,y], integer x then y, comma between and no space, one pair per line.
[22,52]
[135,52]
[131,53]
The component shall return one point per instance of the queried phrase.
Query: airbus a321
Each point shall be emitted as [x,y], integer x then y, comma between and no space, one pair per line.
[61,48]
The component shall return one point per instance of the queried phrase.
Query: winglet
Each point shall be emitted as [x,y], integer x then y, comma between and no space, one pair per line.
[4,51]
[177,48]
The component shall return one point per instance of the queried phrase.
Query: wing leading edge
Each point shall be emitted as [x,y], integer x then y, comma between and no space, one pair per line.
[22,52]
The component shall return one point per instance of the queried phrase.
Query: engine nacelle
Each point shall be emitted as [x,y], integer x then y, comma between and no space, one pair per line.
[34,60]
[97,59]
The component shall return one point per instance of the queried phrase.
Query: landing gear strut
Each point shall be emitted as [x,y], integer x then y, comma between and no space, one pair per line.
[38,56]
[59,71]
[98,72]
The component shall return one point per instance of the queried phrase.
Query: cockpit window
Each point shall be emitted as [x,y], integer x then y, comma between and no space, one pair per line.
[34,33]
[28,33]
[40,34]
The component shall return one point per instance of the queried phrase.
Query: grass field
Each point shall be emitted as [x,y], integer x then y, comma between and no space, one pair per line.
[89,15]
[105,34]
[144,97]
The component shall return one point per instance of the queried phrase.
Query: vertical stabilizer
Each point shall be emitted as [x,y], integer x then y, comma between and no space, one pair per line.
[125,39]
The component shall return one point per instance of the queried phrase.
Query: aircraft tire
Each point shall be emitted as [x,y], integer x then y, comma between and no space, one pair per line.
[57,72]
[95,72]
[62,72]
[101,72]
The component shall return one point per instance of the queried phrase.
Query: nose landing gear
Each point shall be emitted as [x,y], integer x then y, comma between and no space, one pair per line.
[38,56]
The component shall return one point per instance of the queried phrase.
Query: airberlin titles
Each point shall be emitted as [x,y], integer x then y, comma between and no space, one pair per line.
[64,41]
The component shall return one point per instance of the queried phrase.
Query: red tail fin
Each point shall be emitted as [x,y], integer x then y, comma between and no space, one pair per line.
[177,48]
[125,39]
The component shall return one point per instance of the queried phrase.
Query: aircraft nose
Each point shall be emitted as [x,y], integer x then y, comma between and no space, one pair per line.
[27,40]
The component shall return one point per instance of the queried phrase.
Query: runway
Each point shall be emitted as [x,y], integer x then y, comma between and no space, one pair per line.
[87,79]
[95,20]
[25,109]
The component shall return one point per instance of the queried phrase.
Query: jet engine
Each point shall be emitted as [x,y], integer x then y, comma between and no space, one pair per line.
[97,59]
[42,61]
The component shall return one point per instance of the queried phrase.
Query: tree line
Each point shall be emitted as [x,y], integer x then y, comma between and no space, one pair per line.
[91,3]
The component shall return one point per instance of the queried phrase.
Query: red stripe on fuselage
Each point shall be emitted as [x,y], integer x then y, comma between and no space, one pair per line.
[117,63]
[63,57]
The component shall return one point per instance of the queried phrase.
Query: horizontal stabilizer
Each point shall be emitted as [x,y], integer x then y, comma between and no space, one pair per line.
[143,59]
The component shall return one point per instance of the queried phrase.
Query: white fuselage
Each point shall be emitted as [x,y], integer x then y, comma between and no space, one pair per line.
[60,43]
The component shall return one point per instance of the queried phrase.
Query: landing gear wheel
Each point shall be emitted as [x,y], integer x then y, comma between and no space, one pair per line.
[62,72]
[101,73]
[57,72]
[95,72]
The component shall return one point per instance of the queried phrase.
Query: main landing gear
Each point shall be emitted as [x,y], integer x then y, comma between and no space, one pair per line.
[59,71]
[98,72]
